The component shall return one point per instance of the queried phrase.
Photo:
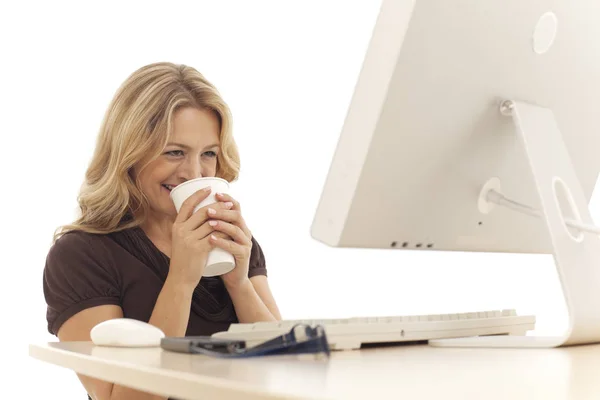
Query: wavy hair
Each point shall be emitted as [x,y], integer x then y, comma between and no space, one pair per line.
[137,126]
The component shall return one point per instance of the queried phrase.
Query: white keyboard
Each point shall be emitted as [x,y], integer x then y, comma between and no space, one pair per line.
[351,333]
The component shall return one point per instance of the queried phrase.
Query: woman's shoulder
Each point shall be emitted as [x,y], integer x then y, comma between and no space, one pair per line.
[79,253]
[74,238]
[78,273]
[77,243]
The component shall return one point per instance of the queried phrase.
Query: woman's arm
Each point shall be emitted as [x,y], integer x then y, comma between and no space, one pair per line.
[171,314]
[261,285]
[249,306]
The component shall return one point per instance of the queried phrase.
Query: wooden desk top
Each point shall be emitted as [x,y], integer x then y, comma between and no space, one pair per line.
[406,371]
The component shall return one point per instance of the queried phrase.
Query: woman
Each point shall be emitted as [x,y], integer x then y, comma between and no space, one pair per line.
[130,254]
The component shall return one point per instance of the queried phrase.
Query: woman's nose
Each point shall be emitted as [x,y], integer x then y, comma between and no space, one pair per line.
[191,171]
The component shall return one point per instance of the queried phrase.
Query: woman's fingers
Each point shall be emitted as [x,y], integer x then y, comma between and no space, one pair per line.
[226,197]
[187,207]
[202,215]
[233,231]
[237,250]
[204,230]
[224,217]
[232,216]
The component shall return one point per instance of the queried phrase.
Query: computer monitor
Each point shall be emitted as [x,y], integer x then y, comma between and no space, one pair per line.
[455,98]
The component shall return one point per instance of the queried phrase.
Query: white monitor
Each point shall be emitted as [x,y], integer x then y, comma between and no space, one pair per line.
[455,98]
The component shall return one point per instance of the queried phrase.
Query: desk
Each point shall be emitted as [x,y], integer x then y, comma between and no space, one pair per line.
[399,372]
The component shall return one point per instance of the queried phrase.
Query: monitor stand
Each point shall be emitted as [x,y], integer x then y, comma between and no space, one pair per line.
[576,253]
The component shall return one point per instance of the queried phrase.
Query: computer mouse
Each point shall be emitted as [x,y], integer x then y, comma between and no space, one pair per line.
[126,332]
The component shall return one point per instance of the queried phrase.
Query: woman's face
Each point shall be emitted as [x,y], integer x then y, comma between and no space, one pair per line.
[191,153]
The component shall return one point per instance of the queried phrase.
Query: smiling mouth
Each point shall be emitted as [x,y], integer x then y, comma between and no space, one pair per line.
[168,187]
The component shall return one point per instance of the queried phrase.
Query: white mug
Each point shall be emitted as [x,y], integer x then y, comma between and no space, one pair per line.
[219,261]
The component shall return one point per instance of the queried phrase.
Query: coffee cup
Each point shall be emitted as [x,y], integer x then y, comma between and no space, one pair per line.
[219,261]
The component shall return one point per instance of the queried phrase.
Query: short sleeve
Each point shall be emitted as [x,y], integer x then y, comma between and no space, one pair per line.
[79,273]
[258,265]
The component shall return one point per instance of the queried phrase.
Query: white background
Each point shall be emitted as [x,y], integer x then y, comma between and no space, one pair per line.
[287,69]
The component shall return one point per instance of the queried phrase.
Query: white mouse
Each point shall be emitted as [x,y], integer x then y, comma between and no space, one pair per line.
[126,332]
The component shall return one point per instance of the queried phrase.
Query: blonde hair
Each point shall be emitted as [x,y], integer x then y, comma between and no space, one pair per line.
[137,126]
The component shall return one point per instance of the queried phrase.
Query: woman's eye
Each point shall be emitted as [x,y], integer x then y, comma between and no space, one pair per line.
[210,154]
[175,153]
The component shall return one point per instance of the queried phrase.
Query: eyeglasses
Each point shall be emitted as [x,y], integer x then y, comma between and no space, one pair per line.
[301,339]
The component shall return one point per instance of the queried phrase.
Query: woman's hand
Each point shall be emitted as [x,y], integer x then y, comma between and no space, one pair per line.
[190,243]
[238,239]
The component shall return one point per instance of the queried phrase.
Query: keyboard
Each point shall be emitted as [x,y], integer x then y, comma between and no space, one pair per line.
[353,333]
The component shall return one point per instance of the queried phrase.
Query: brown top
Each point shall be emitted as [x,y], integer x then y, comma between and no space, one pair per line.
[125,268]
